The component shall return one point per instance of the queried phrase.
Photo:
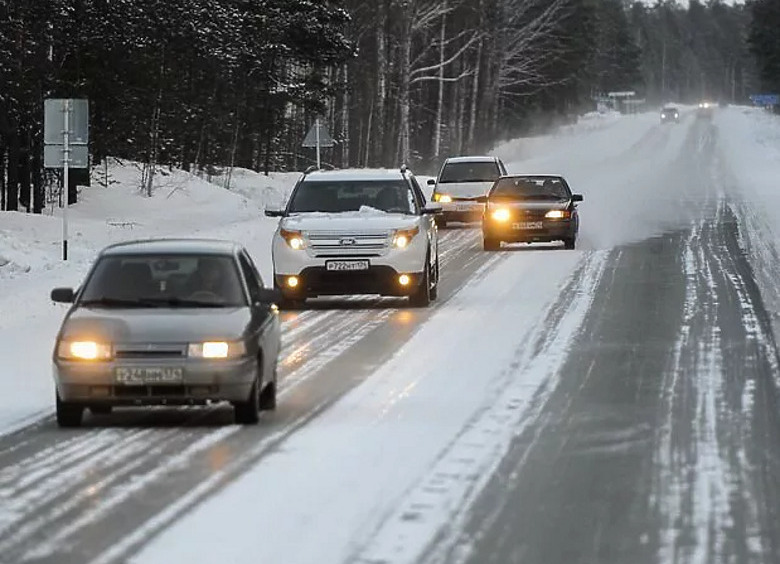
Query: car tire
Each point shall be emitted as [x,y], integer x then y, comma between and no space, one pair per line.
[248,412]
[570,243]
[435,288]
[69,415]
[289,304]
[101,409]
[422,297]
[441,222]
[490,244]
[268,397]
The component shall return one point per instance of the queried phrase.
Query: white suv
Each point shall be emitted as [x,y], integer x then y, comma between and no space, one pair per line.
[357,231]
[462,186]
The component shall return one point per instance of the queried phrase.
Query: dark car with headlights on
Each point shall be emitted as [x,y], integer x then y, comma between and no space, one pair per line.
[670,114]
[168,322]
[530,209]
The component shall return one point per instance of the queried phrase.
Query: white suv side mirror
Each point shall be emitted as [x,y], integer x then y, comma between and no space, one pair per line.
[274,212]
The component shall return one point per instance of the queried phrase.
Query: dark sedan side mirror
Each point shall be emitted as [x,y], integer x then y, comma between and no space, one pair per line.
[269,296]
[431,209]
[63,295]
[481,199]
[576,197]
[431,182]
[271,212]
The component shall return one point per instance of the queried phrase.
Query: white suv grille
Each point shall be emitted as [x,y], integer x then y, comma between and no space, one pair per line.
[338,244]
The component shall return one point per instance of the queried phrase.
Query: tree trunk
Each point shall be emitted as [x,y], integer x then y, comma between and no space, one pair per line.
[440,97]
[2,174]
[403,96]
[345,117]
[474,99]
[12,188]
[25,197]
[380,105]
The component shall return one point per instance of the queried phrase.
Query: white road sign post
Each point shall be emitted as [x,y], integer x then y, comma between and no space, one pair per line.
[66,146]
[317,137]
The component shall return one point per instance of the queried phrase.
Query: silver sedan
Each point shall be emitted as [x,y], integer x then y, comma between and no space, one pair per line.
[168,322]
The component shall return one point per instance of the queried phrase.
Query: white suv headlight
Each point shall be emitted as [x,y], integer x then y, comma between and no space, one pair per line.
[294,239]
[403,237]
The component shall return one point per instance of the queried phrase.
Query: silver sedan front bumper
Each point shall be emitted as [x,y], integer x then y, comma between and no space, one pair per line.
[152,382]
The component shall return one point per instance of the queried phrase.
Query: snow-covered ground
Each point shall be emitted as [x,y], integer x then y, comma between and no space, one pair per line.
[750,173]
[427,443]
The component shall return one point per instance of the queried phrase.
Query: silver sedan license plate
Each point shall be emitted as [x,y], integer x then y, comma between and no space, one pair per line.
[148,375]
[528,225]
[346,265]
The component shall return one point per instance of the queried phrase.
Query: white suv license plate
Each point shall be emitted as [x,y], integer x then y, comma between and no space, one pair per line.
[524,225]
[346,265]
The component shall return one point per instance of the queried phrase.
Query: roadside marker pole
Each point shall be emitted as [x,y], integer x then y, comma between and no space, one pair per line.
[65,162]
[317,134]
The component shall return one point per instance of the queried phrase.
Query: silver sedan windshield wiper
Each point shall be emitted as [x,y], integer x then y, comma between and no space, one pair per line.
[107,301]
[173,301]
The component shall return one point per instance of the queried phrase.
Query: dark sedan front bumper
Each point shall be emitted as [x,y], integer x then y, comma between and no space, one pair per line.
[530,231]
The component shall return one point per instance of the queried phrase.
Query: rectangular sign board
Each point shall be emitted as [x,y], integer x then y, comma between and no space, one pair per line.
[765,99]
[54,121]
[53,154]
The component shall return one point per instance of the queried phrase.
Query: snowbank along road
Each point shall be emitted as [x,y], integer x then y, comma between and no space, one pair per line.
[612,404]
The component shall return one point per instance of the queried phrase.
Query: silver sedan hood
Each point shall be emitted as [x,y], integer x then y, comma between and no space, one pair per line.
[161,325]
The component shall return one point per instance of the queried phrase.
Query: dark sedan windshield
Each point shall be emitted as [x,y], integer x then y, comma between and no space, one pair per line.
[531,187]
[164,281]
[469,172]
[392,196]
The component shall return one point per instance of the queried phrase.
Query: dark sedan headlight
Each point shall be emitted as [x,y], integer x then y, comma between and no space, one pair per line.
[216,349]
[557,214]
[84,350]
[501,215]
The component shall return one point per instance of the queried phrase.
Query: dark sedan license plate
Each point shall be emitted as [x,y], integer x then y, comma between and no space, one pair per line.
[148,375]
[346,265]
[524,225]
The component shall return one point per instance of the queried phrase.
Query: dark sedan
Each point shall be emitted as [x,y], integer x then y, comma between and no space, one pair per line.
[530,209]
[168,322]
[670,113]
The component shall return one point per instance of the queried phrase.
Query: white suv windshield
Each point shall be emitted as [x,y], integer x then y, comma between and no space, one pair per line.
[392,196]
[470,172]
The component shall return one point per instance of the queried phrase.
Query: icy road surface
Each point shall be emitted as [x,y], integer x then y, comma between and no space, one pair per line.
[613,404]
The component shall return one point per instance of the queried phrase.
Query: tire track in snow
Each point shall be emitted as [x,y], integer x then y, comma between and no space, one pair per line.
[428,520]
[711,487]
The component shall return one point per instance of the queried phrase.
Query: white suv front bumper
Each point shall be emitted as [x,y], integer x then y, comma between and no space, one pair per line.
[385,265]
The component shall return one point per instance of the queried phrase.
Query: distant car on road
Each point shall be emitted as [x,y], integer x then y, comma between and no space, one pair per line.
[171,322]
[705,109]
[356,231]
[670,114]
[530,208]
[462,184]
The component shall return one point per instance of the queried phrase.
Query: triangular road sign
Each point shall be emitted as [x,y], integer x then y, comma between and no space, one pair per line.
[311,137]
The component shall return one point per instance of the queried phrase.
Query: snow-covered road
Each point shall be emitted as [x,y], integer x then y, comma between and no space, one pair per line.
[612,404]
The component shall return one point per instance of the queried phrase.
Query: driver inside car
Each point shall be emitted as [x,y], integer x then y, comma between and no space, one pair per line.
[207,280]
